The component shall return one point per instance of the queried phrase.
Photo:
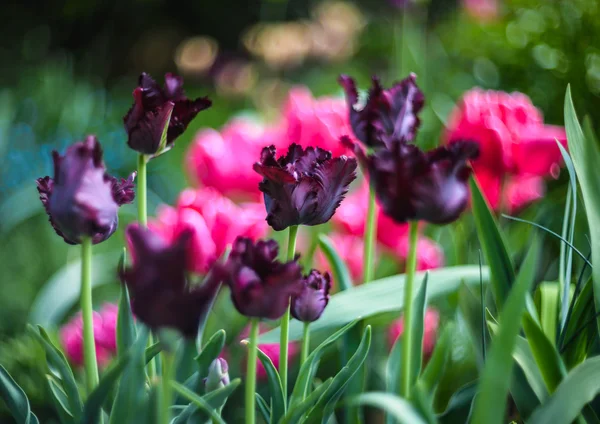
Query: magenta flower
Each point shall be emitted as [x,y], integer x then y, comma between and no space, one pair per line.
[430,330]
[82,200]
[389,115]
[146,119]
[415,185]
[304,187]
[514,142]
[105,325]
[218,375]
[310,303]
[160,293]
[261,286]
[223,159]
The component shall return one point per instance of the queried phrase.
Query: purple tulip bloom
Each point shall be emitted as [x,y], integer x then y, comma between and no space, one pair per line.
[312,300]
[261,286]
[388,114]
[157,282]
[82,200]
[304,187]
[416,185]
[146,119]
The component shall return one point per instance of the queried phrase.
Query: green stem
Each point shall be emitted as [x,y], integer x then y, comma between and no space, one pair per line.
[89,345]
[370,237]
[305,343]
[165,389]
[411,265]
[251,373]
[285,320]
[142,191]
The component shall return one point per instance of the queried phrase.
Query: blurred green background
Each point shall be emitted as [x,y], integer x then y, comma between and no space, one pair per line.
[68,69]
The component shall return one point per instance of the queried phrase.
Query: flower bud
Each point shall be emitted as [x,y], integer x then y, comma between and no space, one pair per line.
[218,375]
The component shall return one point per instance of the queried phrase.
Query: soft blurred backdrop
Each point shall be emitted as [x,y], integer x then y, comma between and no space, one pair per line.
[68,69]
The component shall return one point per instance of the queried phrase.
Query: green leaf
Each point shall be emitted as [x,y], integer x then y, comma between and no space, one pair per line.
[577,389]
[125,324]
[547,297]
[210,352]
[439,359]
[309,368]
[384,295]
[185,363]
[575,346]
[94,402]
[131,393]
[199,402]
[15,399]
[586,157]
[276,389]
[56,361]
[393,405]
[337,264]
[162,147]
[493,246]
[326,404]
[494,384]
[459,406]
[393,365]
[420,303]
[60,400]
[301,407]
[546,356]
[215,400]
[263,408]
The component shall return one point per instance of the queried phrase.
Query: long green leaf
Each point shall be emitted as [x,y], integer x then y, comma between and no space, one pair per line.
[546,356]
[439,359]
[125,324]
[276,389]
[263,408]
[493,246]
[15,399]
[586,157]
[575,345]
[494,385]
[61,403]
[578,388]
[340,271]
[199,402]
[215,400]
[298,409]
[57,361]
[210,352]
[395,406]
[384,295]
[420,303]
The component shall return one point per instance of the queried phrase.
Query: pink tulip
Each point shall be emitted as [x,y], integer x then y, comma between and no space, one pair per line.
[318,122]
[105,330]
[215,222]
[223,160]
[514,142]
[430,331]
[481,10]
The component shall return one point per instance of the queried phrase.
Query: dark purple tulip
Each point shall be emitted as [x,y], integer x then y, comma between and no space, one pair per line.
[388,115]
[157,282]
[82,199]
[146,119]
[261,286]
[312,300]
[416,185]
[304,187]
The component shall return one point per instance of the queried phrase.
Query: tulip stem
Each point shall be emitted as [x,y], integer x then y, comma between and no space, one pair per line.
[285,321]
[89,345]
[407,337]
[251,373]
[165,394]
[369,238]
[305,343]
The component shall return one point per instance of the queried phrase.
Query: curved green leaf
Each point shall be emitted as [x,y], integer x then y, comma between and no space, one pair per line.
[15,399]
[263,408]
[199,402]
[275,387]
[215,400]
[489,407]
[395,406]
[125,324]
[439,358]
[420,303]
[384,295]
[210,352]
[61,403]
[298,409]
[340,271]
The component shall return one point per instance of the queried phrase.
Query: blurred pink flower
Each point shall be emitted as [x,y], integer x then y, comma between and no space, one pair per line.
[215,222]
[350,248]
[351,216]
[482,10]
[223,160]
[318,122]
[514,143]
[430,331]
[105,336]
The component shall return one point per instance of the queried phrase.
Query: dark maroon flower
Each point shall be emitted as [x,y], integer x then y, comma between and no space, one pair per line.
[82,199]
[151,109]
[261,286]
[303,187]
[416,185]
[157,282]
[388,115]
[312,300]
